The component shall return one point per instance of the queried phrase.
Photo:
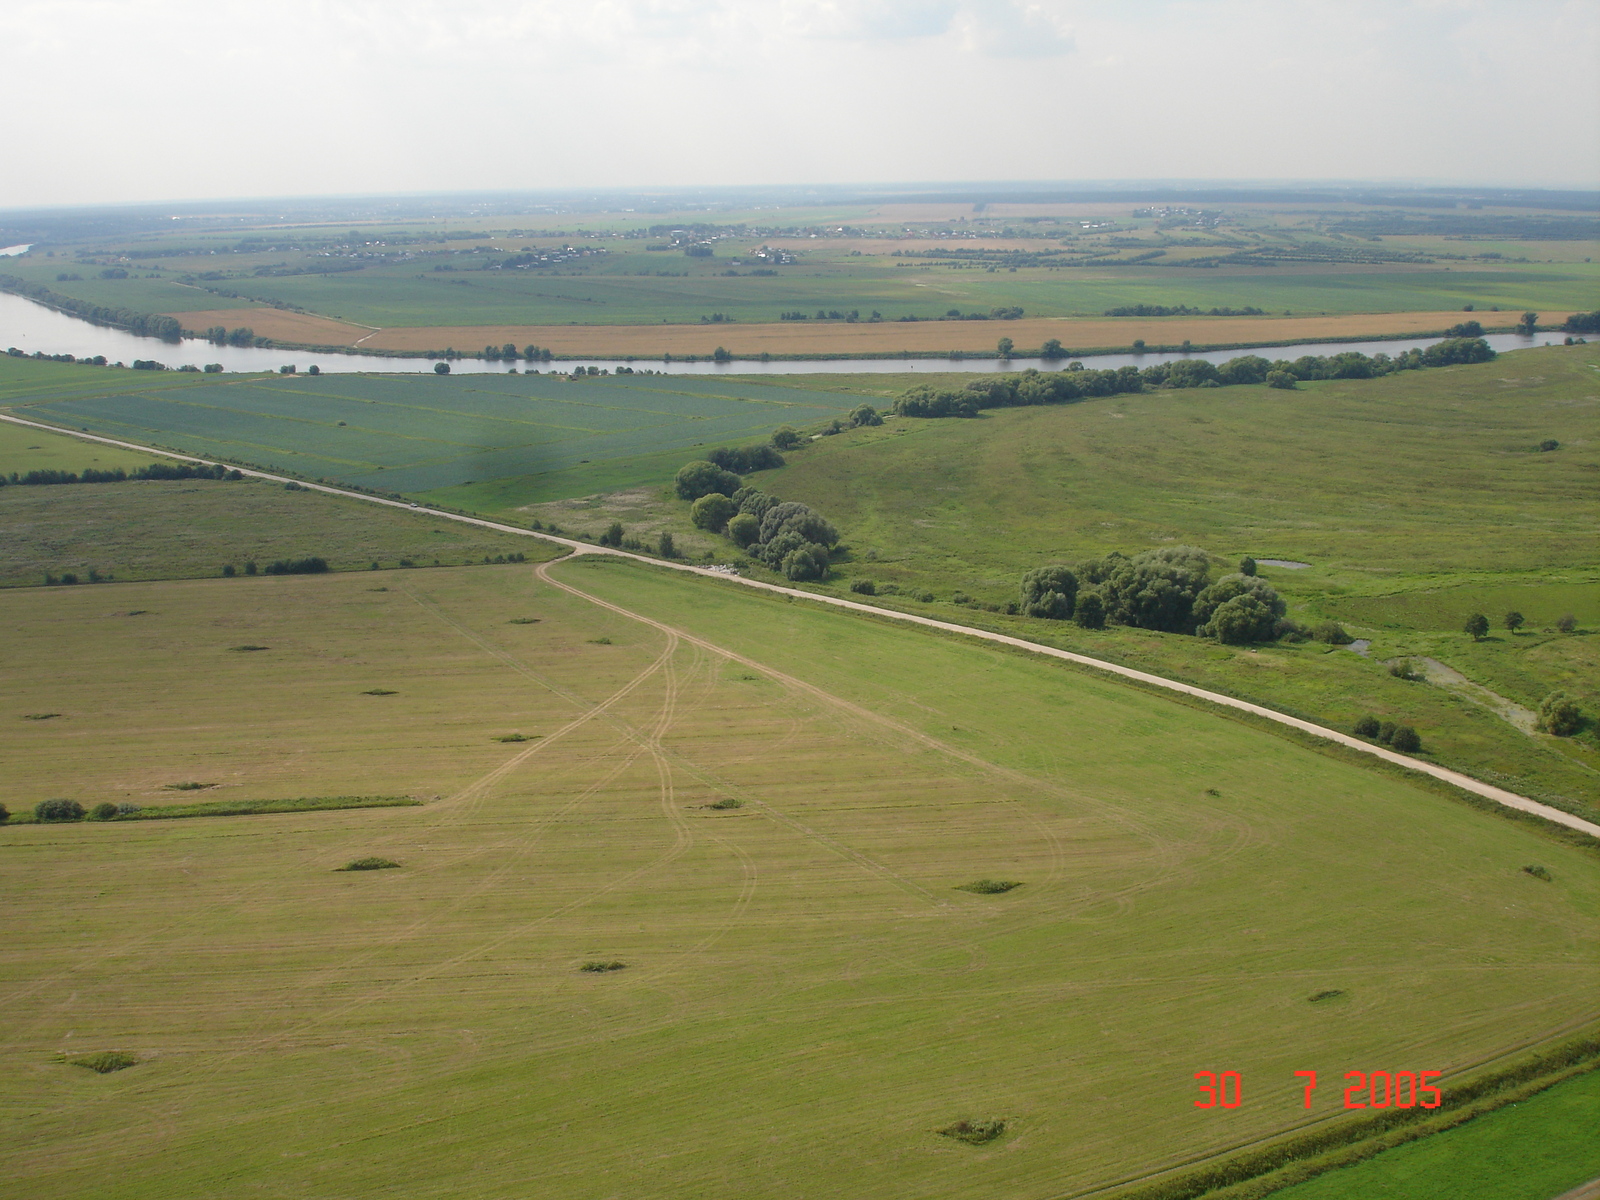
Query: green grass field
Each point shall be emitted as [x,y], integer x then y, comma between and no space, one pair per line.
[410,434]
[157,529]
[1534,1150]
[420,282]
[808,995]
[1414,498]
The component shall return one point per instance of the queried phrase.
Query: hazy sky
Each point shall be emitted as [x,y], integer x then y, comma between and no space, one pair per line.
[131,100]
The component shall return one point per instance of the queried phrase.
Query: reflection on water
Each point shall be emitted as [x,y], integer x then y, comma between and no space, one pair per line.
[32,327]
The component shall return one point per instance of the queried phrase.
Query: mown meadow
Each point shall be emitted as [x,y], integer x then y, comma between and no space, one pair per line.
[803,988]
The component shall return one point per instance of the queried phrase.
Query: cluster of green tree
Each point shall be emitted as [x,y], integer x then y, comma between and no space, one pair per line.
[509,353]
[99,360]
[741,460]
[1178,310]
[311,565]
[1402,737]
[788,537]
[221,335]
[46,476]
[1588,322]
[1076,383]
[144,324]
[1169,589]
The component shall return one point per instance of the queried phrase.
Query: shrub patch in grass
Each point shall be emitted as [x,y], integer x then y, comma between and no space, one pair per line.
[974,1133]
[104,811]
[244,808]
[523,621]
[600,641]
[598,967]
[1539,872]
[1324,997]
[368,864]
[40,716]
[47,811]
[190,786]
[518,737]
[380,692]
[247,649]
[989,887]
[106,1061]
[726,802]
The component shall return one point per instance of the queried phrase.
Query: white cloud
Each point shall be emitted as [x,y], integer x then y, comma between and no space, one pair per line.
[114,100]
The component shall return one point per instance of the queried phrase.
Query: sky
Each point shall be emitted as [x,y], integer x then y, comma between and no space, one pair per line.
[117,101]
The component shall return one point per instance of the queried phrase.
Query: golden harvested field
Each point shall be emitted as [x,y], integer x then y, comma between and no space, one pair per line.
[891,337]
[278,325]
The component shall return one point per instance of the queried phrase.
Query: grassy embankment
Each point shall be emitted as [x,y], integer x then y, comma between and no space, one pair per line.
[808,996]
[1535,1150]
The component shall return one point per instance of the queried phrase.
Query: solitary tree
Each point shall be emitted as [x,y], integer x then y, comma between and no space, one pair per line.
[1405,740]
[665,545]
[613,535]
[744,529]
[701,478]
[1567,623]
[1051,350]
[1478,626]
[1559,715]
[1090,610]
[785,437]
[1049,592]
[1514,621]
[1005,346]
[712,512]
[441,368]
[1530,322]
[1247,566]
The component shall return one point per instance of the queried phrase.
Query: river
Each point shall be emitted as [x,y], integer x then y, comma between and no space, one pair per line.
[32,327]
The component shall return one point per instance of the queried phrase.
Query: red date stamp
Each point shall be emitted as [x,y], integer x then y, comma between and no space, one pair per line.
[1369,1089]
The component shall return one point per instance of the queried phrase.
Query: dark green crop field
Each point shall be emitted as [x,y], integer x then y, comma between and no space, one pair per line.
[408,434]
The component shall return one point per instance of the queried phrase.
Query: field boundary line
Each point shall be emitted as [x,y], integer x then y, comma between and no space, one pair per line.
[1467,783]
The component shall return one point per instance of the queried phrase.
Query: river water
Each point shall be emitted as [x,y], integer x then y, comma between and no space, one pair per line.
[32,327]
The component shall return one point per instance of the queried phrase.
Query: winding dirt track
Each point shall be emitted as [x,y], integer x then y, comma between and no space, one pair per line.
[1455,778]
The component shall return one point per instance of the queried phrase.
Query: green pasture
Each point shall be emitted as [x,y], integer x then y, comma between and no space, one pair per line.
[1534,1150]
[630,292]
[1417,499]
[1425,472]
[630,285]
[160,529]
[156,529]
[412,433]
[808,996]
